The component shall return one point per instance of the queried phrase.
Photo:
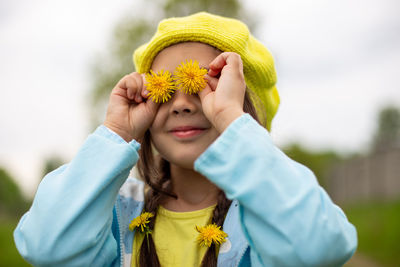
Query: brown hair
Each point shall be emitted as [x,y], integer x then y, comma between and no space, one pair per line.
[156,174]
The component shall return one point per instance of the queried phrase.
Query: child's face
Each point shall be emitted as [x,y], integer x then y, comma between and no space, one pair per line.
[180,131]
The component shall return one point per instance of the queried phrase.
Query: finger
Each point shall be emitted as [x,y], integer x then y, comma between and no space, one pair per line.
[152,106]
[139,81]
[120,89]
[212,82]
[130,93]
[203,93]
[223,59]
[214,70]
[144,91]
[131,82]
[120,92]
[138,97]
[124,82]
[131,88]
[217,64]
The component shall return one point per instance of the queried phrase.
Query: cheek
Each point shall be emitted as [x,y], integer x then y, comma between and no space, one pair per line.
[159,119]
[159,142]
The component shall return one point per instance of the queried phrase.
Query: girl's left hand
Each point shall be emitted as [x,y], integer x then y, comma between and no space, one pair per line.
[222,99]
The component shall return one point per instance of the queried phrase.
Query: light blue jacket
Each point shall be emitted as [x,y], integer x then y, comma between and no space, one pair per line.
[280,216]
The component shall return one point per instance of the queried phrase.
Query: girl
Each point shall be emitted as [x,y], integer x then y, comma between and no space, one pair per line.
[216,193]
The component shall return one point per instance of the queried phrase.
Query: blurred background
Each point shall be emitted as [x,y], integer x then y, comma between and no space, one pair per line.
[338,77]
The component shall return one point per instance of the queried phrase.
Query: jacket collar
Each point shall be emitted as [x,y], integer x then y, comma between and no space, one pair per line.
[130,205]
[232,251]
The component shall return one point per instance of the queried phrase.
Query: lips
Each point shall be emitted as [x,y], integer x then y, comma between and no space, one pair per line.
[183,132]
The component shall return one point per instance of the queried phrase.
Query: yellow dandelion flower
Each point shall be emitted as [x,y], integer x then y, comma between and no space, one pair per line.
[141,222]
[189,77]
[160,86]
[211,234]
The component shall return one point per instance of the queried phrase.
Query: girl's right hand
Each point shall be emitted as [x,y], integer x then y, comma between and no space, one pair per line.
[130,113]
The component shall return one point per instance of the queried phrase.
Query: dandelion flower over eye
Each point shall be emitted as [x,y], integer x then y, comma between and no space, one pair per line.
[189,77]
[141,222]
[160,86]
[209,234]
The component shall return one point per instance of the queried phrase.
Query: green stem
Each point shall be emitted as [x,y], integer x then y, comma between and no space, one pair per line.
[147,238]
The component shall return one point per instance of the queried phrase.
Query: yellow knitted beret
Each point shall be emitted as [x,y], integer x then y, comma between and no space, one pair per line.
[228,35]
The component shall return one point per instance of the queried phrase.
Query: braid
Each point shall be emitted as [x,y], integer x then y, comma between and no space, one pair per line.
[219,213]
[221,209]
[210,258]
[148,255]
[157,177]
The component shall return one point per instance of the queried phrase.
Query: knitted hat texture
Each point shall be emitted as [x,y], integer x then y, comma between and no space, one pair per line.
[227,35]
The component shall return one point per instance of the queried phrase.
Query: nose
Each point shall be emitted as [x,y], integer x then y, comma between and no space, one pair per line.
[184,104]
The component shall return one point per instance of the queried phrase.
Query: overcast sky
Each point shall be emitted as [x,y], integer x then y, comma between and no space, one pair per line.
[337,63]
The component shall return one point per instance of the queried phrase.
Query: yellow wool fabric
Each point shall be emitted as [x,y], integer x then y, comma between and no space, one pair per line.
[228,35]
[175,237]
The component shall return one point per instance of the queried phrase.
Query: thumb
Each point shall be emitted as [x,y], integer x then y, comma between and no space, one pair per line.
[152,106]
[212,82]
[203,93]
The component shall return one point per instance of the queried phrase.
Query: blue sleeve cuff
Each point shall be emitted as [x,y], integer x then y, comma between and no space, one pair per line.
[102,130]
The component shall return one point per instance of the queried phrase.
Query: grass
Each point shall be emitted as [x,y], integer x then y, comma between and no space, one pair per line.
[378,227]
[9,255]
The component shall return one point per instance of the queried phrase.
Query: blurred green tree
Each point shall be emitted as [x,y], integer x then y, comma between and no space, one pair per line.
[319,162]
[133,31]
[51,163]
[12,202]
[387,134]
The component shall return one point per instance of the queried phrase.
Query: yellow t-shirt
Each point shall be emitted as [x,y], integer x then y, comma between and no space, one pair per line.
[175,237]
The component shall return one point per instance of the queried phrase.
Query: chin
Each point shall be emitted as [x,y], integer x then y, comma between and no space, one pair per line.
[182,155]
[186,162]
[183,160]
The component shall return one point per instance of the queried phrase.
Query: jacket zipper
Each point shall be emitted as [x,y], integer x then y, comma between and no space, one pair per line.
[241,256]
[120,235]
